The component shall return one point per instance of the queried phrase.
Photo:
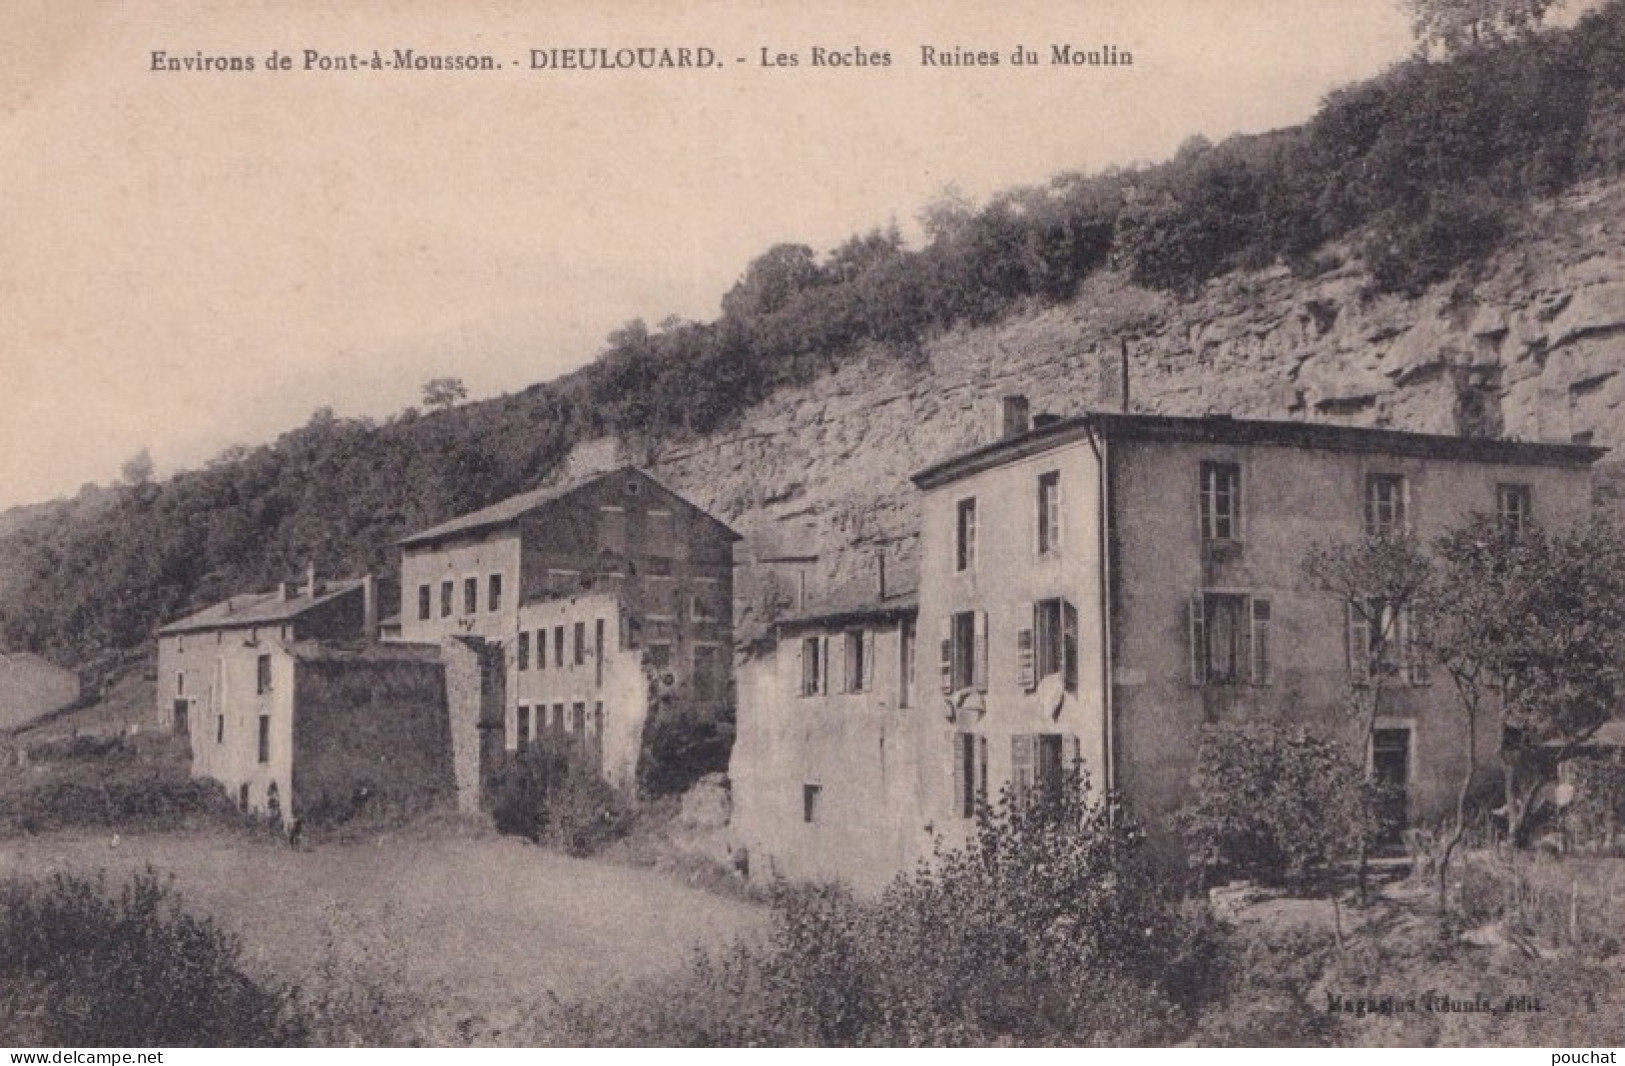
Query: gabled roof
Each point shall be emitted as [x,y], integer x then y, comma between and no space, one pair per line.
[511,510]
[260,608]
[1113,426]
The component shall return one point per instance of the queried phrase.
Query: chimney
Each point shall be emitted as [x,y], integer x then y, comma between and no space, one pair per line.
[282,592]
[1112,378]
[310,580]
[1122,374]
[369,607]
[880,574]
[1011,417]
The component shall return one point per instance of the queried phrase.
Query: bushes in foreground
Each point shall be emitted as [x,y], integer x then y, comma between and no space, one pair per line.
[1045,928]
[82,964]
[556,796]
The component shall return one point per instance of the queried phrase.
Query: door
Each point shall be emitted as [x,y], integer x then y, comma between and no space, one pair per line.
[1391,766]
[182,715]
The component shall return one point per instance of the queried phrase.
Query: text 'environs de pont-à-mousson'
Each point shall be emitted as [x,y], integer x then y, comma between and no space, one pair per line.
[638,58]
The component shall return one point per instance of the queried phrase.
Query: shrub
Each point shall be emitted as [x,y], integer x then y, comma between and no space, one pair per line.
[112,785]
[1045,928]
[1275,802]
[558,797]
[680,746]
[82,965]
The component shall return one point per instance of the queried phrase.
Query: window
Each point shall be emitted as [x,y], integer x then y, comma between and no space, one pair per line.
[965,536]
[858,658]
[493,598]
[578,723]
[970,773]
[183,718]
[1230,639]
[558,726]
[964,652]
[262,675]
[471,595]
[1381,640]
[580,643]
[1385,505]
[812,666]
[658,653]
[524,727]
[541,648]
[905,663]
[707,673]
[703,607]
[265,738]
[660,593]
[1220,501]
[1040,762]
[445,599]
[524,651]
[558,646]
[1513,509]
[612,529]
[810,795]
[1051,646]
[598,650]
[219,729]
[1049,513]
[662,539]
[180,683]
[425,599]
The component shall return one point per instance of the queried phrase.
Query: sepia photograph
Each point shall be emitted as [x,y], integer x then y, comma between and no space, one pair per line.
[715,523]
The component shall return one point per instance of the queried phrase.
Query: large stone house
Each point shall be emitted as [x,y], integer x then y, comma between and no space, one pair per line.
[607,595]
[560,614]
[1094,590]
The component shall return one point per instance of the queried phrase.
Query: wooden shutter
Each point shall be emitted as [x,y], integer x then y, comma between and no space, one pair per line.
[979,659]
[801,668]
[1069,645]
[1261,666]
[1025,667]
[1023,758]
[961,772]
[947,662]
[1359,642]
[823,666]
[981,768]
[1416,663]
[837,656]
[1198,640]
[1073,755]
[867,681]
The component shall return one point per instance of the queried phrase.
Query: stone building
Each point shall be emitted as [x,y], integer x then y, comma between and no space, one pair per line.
[1094,590]
[606,595]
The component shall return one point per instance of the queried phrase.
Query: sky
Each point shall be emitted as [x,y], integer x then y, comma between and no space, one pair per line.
[193,260]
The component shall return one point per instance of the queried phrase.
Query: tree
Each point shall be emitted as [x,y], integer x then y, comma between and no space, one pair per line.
[444,393]
[1377,582]
[1453,26]
[138,468]
[1532,625]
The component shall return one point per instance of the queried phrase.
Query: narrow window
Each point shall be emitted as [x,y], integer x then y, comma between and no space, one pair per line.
[580,643]
[265,738]
[970,773]
[905,663]
[810,796]
[425,602]
[1220,501]
[578,723]
[524,651]
[558,726]
[965,536]
[180,683]
[855,650]
[445,599]
[524,727]
[262,675]
[1513,509]
[1220,638]
[1385,505]
[811,666]
[541,649]
[963,654]
[219,729]
[493,598]
[1049,512]
[471,595]
[1262,667]
[558,646]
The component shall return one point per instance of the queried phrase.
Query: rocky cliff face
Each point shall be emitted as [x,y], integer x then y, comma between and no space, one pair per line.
[1532,348]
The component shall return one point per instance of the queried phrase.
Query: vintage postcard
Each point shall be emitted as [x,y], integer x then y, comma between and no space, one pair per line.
[722,523]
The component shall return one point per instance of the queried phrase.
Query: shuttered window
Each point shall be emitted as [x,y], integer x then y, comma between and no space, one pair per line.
[812,661]
[1049,512]
[1230,639]
[523,651]
[964,652]
[969,773]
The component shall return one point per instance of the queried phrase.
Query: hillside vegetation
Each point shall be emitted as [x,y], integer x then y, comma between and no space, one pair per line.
[1405,199]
